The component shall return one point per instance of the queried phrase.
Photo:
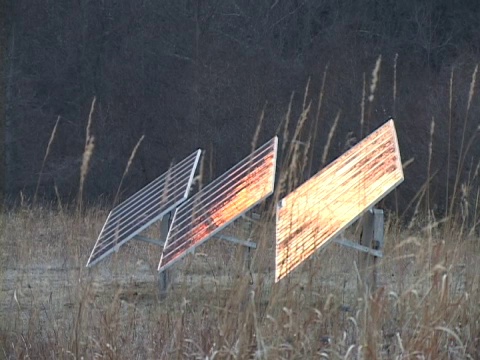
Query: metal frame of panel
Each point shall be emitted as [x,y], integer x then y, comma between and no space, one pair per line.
[334,198]
[145,207]
[221,202]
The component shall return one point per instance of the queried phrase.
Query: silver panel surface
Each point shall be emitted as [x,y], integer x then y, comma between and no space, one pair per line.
[145,207]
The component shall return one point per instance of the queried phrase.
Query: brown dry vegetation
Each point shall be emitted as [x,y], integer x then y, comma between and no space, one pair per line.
[51,306]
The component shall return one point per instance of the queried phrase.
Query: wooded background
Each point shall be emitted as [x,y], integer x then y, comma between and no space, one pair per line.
[198,73]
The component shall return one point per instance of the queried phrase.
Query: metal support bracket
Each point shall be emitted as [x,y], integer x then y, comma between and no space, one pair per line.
[232,239]
[375,226]
[151,241]
[248,245]
[252,218]
[353,245]
[164,226]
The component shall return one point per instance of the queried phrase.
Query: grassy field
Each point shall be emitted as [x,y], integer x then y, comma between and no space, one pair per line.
[51,306]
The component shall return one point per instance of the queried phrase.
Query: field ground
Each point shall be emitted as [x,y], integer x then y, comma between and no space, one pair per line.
[51,306]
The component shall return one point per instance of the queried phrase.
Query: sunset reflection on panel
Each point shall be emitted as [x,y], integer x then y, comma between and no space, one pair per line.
[256,185]
[221,202]
[326,204]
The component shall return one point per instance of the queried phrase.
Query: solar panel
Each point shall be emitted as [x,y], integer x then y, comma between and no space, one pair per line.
[145,207]
[330,201]
[221,202]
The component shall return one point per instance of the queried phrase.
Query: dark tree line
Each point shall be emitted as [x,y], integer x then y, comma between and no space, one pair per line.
[198,73]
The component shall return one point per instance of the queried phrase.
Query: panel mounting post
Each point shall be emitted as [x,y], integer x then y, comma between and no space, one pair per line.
[254,218]
[164,277]
[372,237]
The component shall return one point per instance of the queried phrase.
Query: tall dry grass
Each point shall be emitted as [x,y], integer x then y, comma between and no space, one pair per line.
[425,305]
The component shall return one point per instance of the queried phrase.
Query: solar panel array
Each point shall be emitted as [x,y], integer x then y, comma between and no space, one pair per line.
[145,207]
[221,202]
[326,204]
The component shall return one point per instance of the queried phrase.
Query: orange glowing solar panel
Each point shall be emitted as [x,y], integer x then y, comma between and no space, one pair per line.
[335,197]
[221,202]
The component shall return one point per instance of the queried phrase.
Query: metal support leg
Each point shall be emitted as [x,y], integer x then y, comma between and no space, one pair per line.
[254,217]
[371,238]
[165,277]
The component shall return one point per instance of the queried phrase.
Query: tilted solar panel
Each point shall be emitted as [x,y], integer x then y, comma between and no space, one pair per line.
[221,202]
[145,207]
[330,201]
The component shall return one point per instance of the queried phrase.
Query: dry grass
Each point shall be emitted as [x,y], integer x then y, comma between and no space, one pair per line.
[51,306]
